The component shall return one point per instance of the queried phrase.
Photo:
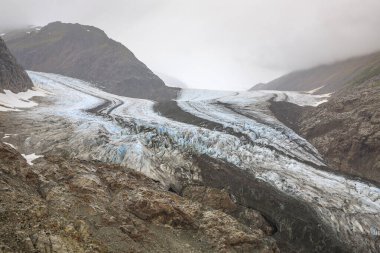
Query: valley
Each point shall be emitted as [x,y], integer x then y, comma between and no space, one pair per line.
[226,140]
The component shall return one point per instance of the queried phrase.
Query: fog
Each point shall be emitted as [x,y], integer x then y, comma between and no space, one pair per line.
[218,44]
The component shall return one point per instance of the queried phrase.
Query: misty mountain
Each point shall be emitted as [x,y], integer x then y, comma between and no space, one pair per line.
[12,76]
[87,53]
[328,78]
[172,81]
[345,129]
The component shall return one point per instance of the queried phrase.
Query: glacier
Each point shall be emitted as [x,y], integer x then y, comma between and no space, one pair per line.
[88,123]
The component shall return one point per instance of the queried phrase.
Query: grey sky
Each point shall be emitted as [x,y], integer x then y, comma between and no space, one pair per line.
[219,44]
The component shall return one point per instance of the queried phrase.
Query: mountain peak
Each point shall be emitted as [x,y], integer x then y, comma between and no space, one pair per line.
[87,53]
[73,27]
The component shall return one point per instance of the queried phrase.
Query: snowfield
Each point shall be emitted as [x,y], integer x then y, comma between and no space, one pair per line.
[129,132]
[31,157]
[10,101]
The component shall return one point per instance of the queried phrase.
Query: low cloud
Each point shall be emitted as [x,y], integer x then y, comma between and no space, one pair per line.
[219,44]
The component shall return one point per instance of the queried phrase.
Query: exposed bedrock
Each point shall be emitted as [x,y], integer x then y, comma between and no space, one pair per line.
[62,205]
[298,228]
[345,130]
[12,75]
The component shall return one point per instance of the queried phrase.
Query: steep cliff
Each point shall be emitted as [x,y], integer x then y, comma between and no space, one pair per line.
[12,75]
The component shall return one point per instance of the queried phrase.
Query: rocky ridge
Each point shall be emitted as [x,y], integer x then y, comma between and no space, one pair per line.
[345,130]
[12,76]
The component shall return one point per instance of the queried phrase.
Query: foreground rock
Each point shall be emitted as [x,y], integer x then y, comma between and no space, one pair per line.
[12,76]
[59,205]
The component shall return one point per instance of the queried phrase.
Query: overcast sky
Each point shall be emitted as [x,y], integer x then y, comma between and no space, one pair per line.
[219,44]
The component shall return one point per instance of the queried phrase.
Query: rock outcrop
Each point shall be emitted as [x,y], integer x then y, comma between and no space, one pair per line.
[12,75]
[60,205]
[87,53]
[345,130]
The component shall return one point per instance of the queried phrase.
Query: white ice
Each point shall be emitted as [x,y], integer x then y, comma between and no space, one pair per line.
[244,97]
[6,136]
[30,158]
[10,101]
[10,145]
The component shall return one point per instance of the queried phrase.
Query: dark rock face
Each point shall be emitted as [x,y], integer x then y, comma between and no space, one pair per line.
[60,205]
[345,130]
[296,226]
[329,78]
[12,76]
[86,53]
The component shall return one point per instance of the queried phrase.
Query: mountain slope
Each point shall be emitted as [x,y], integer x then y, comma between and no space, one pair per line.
[328,78]
[345,130]
[12,76]
[87,53]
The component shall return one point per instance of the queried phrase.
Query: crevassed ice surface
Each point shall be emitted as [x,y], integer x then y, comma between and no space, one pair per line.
[131,133]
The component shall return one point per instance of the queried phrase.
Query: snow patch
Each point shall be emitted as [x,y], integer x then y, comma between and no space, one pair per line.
[10,145]
[30,158]
[6,136]
[10,101]
[315,90]
[302,99]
